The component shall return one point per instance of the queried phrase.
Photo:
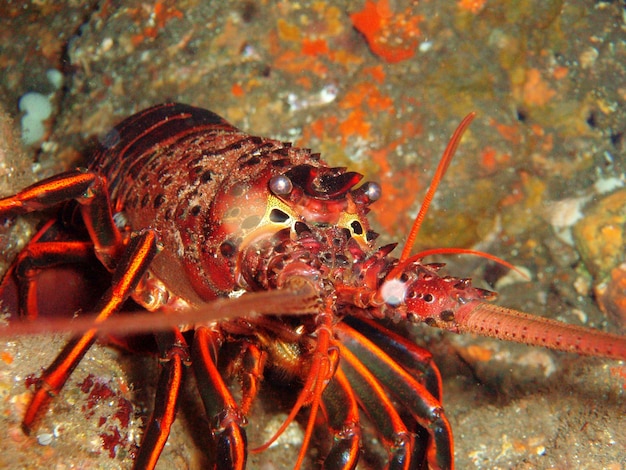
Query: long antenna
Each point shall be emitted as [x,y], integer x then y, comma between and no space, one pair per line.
[446,158]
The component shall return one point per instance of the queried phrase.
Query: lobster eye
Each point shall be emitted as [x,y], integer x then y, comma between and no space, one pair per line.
[367,193]
[280,185]
[373,191]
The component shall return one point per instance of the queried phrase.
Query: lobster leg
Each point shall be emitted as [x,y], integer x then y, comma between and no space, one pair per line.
[415,360]
[37,257]
[248,366]
[222,410]
[89,190]
[380,409]
[139,254]
[424,407]
[253,362]
[174,354]
[324,360]
[342,412]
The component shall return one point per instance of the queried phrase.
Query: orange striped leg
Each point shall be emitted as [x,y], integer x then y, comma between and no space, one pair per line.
[222,410]
[47,193]
[89,190]
[342,413]
[380,409]
[174,354]
[415,360]
[139,254]
[322,368]
[411,394]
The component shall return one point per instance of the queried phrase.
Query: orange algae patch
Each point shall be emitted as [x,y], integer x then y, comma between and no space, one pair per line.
[366,93]
[399,187]
[318,127]
[314,47]
[7,358]
[361,100]
[560,72]
[397,197]
[488,159]
[491,159]
[237,90]
[473,6]
[510,132]
[377,73]
[536,91]
[295,63]
[391,36]
[479,353]
[160,15]
[355,124]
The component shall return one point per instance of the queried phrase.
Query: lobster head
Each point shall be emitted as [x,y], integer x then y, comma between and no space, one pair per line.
[315,226]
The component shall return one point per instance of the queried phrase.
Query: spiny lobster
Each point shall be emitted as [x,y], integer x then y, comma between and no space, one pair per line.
[183,210]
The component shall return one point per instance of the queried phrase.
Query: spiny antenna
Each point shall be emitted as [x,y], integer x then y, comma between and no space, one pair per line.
[446,158]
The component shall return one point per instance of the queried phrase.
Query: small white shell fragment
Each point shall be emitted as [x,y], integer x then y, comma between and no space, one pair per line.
[37,109]
[45,438]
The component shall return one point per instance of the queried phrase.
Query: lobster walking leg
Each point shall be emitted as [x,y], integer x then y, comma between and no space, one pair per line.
[414,359]
[139,254]
[253,362]
[372,398]
[424,407]
[174,353]
[89,190]
[222,410]
[37,257]
[323,365]
[342,412]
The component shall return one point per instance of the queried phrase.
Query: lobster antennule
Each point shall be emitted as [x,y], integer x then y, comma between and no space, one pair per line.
[512,325]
